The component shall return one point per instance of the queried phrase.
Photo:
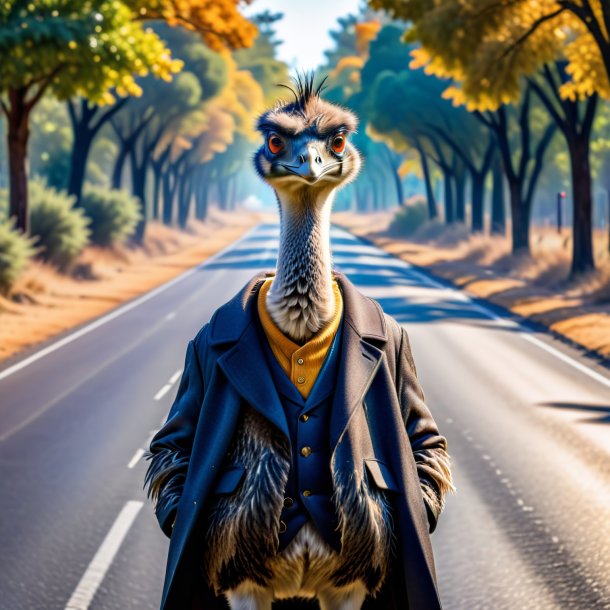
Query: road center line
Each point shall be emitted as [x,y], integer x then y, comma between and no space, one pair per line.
[163,391]
[96,571]
[136,458]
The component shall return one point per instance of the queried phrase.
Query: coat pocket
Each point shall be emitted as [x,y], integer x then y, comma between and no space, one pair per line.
[229,480]
[380,474]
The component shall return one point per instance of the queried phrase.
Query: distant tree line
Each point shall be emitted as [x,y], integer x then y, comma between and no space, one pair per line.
[495,99]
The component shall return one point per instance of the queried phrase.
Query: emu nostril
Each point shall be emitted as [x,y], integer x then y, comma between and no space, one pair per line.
[302,158]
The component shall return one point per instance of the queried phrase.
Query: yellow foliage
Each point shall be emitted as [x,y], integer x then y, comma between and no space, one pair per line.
[219,22]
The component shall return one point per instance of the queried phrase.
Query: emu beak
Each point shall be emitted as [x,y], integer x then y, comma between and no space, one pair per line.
[306,163]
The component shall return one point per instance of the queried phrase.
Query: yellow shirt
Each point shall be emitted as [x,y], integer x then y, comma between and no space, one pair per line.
[301,363]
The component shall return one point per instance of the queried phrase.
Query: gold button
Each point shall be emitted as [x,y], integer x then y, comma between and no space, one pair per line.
[306,451]
[306,493]
[301,379]
[282,527]
[304,417]
[288,502]
[300,361]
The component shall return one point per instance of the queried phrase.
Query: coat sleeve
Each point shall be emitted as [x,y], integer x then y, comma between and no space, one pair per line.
[170,448]
[428,445]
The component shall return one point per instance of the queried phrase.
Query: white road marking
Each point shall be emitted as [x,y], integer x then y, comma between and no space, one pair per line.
[525,333]
[96,571]
[118,312]
[136,458]
[171,315]
[163,391]
[175,376]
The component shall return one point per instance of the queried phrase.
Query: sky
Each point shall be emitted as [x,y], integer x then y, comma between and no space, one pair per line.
[305,26]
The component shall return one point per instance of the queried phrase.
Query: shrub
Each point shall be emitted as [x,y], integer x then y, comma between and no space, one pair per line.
[114,215]
[62,230]
[15,251]
[409,218]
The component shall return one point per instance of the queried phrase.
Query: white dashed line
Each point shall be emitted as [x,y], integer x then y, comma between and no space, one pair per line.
[96,571]
[163,391]
[175,376]
[136,458]
[170,316]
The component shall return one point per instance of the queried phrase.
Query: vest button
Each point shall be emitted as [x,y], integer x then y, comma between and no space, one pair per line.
[301,379]
[288,502]
[304,417]
[306,451]
[282,527]
[300,361]
[306,493]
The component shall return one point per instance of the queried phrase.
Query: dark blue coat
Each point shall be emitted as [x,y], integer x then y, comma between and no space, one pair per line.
[378,419]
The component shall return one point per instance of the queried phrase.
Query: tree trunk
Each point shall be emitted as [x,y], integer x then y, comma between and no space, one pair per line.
[478,202]
[460,195]
[117,174]
[448,198]
[520,219]
[498,216]
[201,199]
[168,199]
[138,185]
[83,138]
[582,238]
[432,210]
[18,136]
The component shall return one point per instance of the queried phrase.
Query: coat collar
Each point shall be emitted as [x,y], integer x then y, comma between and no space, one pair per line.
[244,364]
[231,320]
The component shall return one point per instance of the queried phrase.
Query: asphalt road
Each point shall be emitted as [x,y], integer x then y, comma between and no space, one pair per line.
[527,421]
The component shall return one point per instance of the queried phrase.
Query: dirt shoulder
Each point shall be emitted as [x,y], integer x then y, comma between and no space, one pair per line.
[534,287]
[45,303]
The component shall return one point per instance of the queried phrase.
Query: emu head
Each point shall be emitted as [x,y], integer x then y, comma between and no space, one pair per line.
[307,152]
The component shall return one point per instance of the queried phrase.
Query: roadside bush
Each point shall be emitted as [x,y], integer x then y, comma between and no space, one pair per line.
[409,217]
[62,231]
[114,214]
[15,251]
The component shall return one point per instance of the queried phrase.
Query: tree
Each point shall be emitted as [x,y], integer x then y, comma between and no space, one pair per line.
[491,46]
[67,48]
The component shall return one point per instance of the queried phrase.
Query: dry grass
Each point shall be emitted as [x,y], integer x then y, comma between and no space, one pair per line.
[537,287]
[44,302]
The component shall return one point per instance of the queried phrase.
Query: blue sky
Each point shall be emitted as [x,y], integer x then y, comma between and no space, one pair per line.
[305,26]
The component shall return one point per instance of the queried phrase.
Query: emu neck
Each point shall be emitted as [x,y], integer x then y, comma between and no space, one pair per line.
[301,299]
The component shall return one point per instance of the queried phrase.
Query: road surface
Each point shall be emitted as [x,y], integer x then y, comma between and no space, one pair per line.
[527,421]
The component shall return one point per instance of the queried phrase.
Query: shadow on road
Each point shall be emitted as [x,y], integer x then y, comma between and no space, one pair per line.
[381,275]
[600,413]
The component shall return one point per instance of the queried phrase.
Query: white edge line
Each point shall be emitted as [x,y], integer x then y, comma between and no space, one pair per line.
[525,333]
[163,391]
[120,311]
[97,568]
[175,376]
[136,458]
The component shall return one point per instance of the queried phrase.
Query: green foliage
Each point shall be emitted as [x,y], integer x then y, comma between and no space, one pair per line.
[15,251]
[78,48]
[410,217]
[113,214]
[61,230]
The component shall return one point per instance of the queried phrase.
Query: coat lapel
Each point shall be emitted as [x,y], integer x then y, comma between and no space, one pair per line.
[245,367]
[358,366]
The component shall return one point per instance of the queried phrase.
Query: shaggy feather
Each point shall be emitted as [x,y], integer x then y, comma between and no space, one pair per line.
[242,529]
[165,476]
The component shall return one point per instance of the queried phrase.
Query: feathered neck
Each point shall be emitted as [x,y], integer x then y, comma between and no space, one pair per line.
[301,300]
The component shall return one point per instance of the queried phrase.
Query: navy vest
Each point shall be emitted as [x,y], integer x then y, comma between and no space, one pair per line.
[309,488]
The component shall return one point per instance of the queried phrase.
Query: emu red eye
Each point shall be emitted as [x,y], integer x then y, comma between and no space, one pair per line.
[275,143]
[338,143]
